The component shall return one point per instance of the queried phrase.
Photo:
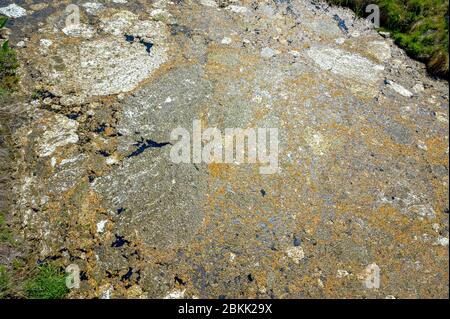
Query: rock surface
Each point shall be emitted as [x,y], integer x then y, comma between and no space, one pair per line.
[363,161]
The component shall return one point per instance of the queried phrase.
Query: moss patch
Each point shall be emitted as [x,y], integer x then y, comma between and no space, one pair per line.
[4,282]
[8,65]
[48,283]
[420,27]
[5,233]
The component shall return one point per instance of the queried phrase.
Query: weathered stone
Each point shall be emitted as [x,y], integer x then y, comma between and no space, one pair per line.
[398,88]
[362,174]
[58,131]
[346,64]
[13,11]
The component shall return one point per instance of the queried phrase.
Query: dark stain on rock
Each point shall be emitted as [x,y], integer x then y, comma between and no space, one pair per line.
[148,45]
[128,275]
[121,210]
[104,153]
[179,281]
[263,192]
[341,23]
[83,276]
[101,128]
[131,38]
[43,94]
[297,241]
[119,242]
[73,116]
[176,29]
[143,145]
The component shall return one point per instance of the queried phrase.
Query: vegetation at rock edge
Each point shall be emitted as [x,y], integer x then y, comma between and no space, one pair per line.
[420,27]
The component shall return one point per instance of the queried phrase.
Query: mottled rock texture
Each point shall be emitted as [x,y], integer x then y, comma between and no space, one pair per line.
[363,152]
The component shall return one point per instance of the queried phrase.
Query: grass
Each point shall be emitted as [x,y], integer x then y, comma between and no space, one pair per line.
[44,282]
[8,66]
[420,27]
[48,283]
[5,233]
[4,282]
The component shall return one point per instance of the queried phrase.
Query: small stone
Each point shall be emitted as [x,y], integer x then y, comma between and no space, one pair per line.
[381,50]
[226,40]
[208,3]
[342,273]
[162,15]
[398,88]
[111,160]
[441,117]
[295,253]
[92,7]
[46,42]
[443,241]
[269,52]
[13,11]
[47,101]
[101,226]
[78,30]
[175,294]
[238,9]
[435,227]
[320,283]
[418,88]
[422,145]
[294,53]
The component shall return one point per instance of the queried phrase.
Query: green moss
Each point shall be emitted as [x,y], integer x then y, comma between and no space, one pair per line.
[4,282]
[17,264]
[48,283]
[420,27]
[8,66]
[5,233]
